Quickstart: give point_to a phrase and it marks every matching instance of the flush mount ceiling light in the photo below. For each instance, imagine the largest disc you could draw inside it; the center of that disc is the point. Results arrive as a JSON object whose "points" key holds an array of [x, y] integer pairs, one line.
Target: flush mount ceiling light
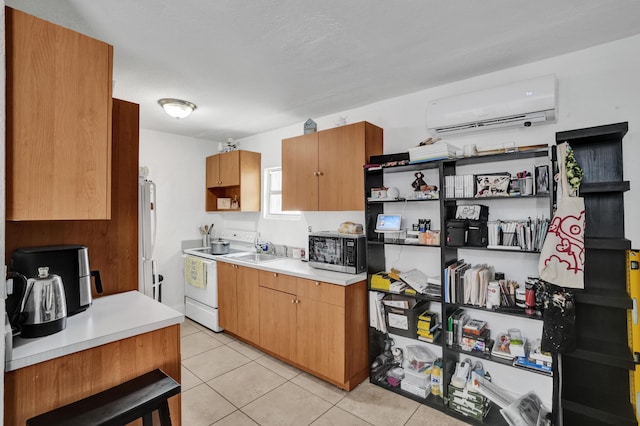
{"points": [[177, 108]]}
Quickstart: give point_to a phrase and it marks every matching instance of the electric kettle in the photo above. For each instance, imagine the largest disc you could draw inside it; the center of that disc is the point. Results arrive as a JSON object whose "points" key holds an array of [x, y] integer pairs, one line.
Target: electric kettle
{"points": [[37, 306]]}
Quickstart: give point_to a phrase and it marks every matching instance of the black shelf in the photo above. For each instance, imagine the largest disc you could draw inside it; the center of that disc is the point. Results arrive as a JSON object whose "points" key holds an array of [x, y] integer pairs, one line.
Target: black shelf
{"points": [[417, 296], [603, 352], [607, 243], [600, 187], [603, 298], [399, 200], [488, 357], [502, 310], [595, 134], [398, 242], [431, 400], [493, 249], [508, 156], [620, 413], [376, 244], [511, 197], [493, 416], [409, 167]]}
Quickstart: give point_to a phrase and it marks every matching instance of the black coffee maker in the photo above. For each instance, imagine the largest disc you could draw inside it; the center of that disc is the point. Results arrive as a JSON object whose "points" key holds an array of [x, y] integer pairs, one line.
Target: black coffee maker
{"points": [[70, 262]]}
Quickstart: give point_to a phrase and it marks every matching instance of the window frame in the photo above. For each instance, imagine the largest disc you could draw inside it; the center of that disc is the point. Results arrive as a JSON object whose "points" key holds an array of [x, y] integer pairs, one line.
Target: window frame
{"points": [[268, 192]]}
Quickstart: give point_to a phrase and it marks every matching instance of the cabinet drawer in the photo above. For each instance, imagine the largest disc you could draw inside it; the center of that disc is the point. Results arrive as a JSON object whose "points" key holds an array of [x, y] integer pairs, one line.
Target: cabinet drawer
{"points": [[277, 281], [320, 291]]}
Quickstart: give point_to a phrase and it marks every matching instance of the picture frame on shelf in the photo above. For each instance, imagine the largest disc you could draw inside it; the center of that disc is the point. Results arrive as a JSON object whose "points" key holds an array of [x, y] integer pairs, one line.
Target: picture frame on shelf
{"points": [[496, 185], [542, 179]]}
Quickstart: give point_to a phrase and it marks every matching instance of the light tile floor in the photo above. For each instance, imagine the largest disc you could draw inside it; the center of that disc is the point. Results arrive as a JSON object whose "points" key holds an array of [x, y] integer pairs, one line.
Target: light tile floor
{"points": [[226, 382]]}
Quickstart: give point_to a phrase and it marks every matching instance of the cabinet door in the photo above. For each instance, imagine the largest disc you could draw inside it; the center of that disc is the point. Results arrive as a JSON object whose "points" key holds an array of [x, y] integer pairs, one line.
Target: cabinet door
{"points": [[227, 297], [213, 171], [320, 338], [59, 109], [300, 173], [248, 304], [340, 157], [229, 172], [278, 322]]}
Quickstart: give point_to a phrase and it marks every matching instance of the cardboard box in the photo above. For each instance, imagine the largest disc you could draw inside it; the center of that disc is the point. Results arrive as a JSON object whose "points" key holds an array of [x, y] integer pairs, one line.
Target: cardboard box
{"points": [[404, 322], [416, 390], [419, 379]]}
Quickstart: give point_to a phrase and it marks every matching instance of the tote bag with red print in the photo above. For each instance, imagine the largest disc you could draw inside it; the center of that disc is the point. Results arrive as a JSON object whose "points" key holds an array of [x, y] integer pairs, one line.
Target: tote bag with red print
{"points": [[562, 255]]}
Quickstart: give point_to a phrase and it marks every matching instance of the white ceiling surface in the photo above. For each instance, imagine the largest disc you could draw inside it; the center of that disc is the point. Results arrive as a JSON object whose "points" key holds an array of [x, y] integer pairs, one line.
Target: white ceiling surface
{"points": [[253, 66]]}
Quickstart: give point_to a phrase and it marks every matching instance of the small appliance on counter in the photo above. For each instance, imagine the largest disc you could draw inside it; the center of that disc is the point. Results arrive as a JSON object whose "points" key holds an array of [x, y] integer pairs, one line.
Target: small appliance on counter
{"points": [[70, 262], [338, 252], [36, 307]]}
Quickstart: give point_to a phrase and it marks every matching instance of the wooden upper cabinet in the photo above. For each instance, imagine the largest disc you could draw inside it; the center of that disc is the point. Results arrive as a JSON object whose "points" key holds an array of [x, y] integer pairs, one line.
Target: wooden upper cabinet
{"points": [[58, 122], [234, 175], [300, 173], [223, 169], [323, 170]]}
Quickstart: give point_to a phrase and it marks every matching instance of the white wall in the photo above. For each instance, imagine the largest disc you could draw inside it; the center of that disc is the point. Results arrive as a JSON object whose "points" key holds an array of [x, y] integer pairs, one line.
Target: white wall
{"points": [[177, 166]]}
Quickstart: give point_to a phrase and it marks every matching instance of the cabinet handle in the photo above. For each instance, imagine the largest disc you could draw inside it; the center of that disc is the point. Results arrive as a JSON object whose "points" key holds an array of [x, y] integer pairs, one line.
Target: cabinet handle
{"points": [[320, 174], [297, 300], [293, 300], [317, 282], [315, 173], [275, 274]]}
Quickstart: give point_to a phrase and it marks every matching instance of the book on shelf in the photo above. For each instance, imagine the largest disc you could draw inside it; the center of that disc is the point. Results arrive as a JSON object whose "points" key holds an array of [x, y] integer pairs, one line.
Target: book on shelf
{"points": [[434, 337], [529, 364], [475, 327]]}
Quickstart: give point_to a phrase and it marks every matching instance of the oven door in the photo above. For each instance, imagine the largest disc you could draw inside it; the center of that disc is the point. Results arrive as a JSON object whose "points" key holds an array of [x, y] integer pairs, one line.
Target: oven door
{"points": [[201, 289]]}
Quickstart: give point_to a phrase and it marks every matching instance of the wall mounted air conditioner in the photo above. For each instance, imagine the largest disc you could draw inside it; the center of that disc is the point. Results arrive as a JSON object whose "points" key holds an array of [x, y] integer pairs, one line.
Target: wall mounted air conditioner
{"points": [[523, 103]]}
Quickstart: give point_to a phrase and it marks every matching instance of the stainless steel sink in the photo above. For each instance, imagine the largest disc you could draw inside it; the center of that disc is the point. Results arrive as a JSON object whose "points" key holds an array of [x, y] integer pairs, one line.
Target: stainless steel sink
{"points": [[256, 257]]}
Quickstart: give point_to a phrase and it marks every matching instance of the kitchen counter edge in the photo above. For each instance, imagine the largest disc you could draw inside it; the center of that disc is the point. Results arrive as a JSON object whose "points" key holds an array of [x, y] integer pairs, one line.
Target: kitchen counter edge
{"points": [[108, 319], [300, 269]]}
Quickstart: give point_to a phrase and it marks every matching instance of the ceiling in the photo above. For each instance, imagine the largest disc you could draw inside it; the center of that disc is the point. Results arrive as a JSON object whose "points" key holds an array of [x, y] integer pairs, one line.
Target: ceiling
{"points": [[253, 66]]}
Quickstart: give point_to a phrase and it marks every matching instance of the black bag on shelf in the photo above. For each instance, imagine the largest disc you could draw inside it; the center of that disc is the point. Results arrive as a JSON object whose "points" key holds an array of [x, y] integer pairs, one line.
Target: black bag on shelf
{"points": [[478, 235], [558, 320], [457, 232]]}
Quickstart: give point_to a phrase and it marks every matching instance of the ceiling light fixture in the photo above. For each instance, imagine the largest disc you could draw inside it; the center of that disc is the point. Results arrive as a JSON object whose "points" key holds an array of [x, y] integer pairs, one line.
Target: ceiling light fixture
{"points": [[177, 108]]}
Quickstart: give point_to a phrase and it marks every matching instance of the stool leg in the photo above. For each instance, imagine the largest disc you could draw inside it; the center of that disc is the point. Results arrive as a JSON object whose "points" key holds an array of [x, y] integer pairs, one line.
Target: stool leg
{"points": [[165, 415]]}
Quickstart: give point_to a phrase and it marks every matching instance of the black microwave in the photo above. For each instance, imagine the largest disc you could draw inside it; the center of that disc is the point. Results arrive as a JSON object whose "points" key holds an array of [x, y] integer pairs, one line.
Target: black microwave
{"points": [[337, 252]]}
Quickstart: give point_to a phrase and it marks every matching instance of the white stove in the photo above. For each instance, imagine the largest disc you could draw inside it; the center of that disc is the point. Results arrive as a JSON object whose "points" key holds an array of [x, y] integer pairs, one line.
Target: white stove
{"points": [[201, 280]]}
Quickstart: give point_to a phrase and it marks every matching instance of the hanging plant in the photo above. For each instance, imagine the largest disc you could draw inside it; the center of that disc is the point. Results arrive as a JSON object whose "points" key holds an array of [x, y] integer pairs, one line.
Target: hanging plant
{"points": [[573, 169]]}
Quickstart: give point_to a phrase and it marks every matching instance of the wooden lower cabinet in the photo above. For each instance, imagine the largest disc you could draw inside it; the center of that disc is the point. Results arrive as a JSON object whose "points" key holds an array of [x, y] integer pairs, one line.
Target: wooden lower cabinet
{"points": [[41, 387], [238, 300], [320, 338], [319, 327]]}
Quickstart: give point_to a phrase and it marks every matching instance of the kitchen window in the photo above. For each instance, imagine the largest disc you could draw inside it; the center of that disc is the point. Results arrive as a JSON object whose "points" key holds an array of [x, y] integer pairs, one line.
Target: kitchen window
{"points": [[273, 196]]}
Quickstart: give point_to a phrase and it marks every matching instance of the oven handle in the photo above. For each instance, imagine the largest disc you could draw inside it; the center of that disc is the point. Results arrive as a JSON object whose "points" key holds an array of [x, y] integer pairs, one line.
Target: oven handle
{"points": [[204, 259]]}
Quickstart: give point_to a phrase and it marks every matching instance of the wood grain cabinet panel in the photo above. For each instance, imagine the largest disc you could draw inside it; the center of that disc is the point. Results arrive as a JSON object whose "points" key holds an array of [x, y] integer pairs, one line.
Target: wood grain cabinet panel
{"points": [[41, 387], [227, 297], [234, 175], [320, 338], [58, 122], [323, 170], [238, 297], [278, 322]]}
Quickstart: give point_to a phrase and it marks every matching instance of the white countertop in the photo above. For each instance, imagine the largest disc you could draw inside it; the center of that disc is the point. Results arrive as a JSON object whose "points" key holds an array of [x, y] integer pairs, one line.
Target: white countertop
{"points": [[108, 319], [298, 268]]}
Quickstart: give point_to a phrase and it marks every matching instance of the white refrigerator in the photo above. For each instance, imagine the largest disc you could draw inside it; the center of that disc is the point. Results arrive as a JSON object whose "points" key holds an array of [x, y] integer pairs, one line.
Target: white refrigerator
{"points": [[148, 278]]}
